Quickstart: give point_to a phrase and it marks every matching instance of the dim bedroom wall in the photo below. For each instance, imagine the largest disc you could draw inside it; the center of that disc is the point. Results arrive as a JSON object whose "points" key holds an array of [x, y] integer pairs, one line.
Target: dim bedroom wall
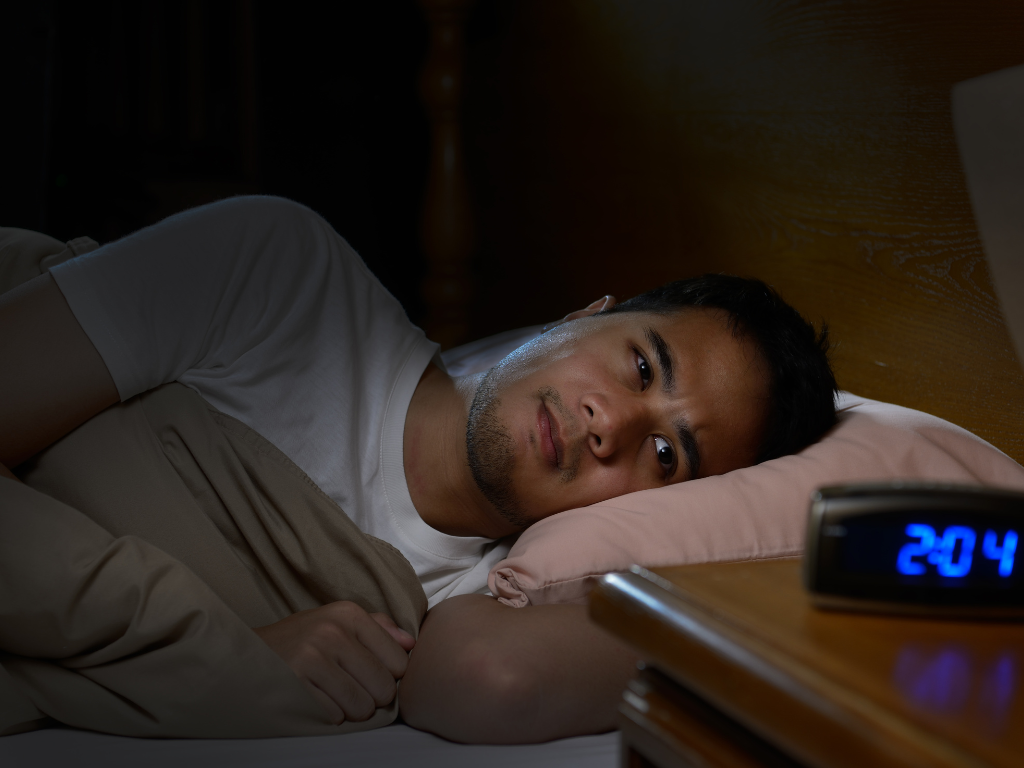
{"points": [[614, 145], [119, 114]]}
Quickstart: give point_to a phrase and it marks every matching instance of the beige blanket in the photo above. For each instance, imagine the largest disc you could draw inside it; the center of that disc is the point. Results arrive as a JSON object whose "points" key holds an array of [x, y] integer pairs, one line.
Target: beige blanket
{"points": [[144, 547]]}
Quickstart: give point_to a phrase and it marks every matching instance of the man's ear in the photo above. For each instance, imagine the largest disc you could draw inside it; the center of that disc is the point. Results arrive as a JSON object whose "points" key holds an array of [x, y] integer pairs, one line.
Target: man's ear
{"points": [[605, 302]]}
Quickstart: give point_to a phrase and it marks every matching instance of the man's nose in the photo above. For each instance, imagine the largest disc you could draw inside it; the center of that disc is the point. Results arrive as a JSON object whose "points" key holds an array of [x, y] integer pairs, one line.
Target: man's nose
{"points": [[610, 421]]}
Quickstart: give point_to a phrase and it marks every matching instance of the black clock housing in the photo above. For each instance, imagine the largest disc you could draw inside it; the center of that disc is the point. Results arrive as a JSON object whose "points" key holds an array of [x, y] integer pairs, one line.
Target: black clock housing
{"points": [[917, 548]]}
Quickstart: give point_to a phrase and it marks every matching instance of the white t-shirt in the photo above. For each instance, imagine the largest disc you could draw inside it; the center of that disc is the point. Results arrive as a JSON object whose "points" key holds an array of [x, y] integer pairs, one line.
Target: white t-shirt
{"points": [[263, 309]]}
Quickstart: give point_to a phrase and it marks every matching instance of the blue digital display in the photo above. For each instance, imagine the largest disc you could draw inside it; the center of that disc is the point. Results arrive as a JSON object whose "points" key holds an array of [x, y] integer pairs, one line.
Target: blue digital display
{"points": [[917, 547], [940, 549], [953, 551]]}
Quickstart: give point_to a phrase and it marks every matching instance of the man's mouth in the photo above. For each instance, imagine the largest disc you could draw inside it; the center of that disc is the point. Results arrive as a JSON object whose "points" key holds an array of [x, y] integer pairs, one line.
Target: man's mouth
{"points": [[550, 443]]}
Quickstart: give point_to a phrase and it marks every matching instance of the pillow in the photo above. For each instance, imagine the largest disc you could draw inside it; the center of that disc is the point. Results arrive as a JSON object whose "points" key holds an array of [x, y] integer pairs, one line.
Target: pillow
{"points": [[754, 513]]}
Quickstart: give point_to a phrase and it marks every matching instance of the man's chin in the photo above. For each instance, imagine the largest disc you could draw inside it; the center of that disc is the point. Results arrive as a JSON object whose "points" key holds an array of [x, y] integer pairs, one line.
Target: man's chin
{"points": [[515, 517], [490, 450]]}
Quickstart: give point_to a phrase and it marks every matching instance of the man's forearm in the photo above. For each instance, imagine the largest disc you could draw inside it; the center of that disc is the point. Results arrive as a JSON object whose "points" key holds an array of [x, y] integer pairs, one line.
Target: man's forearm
{"points": [[484, 672]]}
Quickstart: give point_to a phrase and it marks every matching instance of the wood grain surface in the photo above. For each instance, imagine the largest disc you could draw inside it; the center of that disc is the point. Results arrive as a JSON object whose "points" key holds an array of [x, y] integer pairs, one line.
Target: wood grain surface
{"points": [[615, 145], [829, 689]]}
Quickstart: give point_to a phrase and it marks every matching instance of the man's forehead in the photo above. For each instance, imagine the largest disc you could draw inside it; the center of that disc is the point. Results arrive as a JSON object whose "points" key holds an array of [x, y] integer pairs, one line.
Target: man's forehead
{"points": [[685, 327]]}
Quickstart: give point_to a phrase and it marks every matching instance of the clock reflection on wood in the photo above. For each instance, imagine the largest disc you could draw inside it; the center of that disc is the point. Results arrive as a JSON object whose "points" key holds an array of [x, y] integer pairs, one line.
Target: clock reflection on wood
{"points": [[952, 680]]}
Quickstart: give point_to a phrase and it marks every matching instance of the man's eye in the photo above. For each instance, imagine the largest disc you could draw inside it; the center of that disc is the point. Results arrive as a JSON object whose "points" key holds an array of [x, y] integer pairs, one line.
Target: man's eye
{"points": [[666, 456], [644, 368]]}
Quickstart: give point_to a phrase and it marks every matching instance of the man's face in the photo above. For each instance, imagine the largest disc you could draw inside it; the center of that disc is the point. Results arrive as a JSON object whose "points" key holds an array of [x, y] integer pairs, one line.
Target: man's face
{"points": [[612, 404]]}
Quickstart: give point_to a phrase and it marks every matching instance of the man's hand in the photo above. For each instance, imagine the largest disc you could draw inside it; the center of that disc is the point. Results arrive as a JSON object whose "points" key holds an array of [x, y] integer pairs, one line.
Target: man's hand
{"points": [[349, 659]]}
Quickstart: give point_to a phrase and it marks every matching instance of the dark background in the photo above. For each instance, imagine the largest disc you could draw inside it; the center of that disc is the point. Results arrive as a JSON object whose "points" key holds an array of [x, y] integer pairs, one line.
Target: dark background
{"points": [[121, 113], [610, 146]]}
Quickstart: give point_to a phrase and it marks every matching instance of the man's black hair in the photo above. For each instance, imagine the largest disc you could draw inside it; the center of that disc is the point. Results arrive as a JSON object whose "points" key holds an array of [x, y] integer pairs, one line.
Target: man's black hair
{"points": [[802, 387]]}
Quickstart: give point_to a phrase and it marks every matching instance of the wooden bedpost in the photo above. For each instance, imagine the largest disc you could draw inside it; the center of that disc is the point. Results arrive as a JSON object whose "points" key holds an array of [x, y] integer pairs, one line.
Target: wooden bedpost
{"points": [[446, 227]]}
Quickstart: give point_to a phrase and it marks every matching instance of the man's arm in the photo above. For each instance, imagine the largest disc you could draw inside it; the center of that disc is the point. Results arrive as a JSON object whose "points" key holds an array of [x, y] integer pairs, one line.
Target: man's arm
{"points": [[52, 379], [484, 672]]}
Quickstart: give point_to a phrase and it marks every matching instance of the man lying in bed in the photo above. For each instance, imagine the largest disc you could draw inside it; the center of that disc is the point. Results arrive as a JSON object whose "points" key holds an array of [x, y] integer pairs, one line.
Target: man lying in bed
{"points": [[260, 307]]}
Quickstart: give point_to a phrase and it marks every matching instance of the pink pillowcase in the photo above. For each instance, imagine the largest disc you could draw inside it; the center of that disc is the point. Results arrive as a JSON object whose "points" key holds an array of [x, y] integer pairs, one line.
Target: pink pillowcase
{"points": [[753, 513]]}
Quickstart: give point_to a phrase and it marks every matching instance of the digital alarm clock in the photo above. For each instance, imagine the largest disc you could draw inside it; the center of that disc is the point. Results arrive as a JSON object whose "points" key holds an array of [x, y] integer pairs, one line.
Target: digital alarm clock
{"points": [[917, 548]]}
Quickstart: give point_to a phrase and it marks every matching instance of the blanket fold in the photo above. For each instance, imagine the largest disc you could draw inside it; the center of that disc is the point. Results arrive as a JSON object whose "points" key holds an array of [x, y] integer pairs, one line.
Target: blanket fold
{"points": [[145, 546], [140, 552]]}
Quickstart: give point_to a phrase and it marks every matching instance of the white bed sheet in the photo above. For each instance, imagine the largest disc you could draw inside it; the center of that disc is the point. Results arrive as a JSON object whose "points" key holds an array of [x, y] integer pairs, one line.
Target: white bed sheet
{"points": [[390, 747]]}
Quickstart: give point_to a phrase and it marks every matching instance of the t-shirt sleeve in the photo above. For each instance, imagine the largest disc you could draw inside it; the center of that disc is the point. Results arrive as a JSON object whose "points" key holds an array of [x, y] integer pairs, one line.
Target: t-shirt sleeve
{"points": [[198, 290]]}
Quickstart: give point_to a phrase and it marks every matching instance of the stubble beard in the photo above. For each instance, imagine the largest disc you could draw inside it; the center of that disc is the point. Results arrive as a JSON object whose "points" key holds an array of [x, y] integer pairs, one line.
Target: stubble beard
{"points": [[491, 453], [491, 450]]}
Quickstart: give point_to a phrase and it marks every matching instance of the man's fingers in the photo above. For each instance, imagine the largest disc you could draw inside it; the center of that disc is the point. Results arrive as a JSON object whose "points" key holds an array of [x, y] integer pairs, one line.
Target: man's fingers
{"points": [[398, 634], [335, 713], [351, 659], [345, 671], [365, 668], [383, 646], [380, 644], [345, 693]]}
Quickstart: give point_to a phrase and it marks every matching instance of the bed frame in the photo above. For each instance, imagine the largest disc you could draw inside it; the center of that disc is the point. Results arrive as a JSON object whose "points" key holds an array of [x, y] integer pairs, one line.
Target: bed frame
{"points": [[615, 146], [446, 228]]}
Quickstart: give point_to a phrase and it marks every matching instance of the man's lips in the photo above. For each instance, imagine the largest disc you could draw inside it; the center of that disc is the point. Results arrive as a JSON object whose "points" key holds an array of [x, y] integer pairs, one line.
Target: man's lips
{"points": [[550, 444]]}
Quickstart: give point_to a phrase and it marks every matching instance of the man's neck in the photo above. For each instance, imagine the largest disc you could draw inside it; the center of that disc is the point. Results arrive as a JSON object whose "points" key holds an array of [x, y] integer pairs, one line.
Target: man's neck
{"points": [[436, 467]]}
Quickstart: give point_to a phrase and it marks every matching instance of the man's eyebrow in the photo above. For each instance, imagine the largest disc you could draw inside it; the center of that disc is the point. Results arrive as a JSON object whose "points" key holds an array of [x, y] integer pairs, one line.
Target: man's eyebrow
{"points": [[687, 441], [689, 445], [664, 354]]}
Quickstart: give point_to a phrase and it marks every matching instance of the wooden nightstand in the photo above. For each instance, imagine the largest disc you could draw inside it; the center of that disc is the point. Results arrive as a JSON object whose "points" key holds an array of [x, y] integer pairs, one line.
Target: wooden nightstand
{"points": [[742, 671]]}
